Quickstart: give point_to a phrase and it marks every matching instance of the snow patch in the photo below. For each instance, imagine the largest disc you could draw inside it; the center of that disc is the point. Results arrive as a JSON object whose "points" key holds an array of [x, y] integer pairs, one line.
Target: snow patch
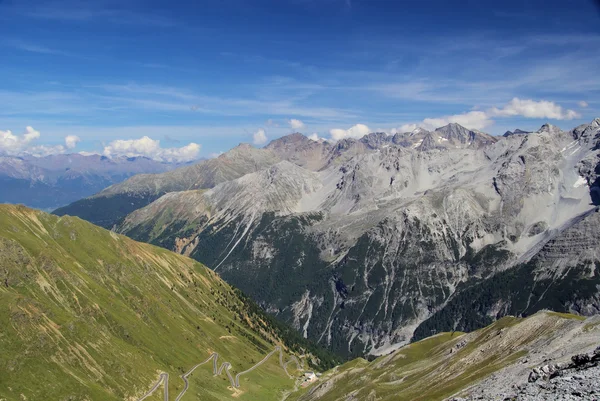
{"points": [[580, 181]]}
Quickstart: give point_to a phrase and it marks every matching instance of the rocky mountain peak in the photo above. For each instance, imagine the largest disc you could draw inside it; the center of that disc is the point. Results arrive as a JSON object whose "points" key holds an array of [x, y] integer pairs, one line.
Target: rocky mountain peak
{"points": [[375, 140], [549, 128], [428, 142], [586, 129], [454, 131], [457, 135], [242, 146], [246, 151], [418, 131], [300, 150], [296, 138]]}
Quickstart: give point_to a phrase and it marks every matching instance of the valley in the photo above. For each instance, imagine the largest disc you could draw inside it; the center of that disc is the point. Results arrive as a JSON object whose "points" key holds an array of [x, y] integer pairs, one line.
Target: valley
{"points": [[299, 200]]}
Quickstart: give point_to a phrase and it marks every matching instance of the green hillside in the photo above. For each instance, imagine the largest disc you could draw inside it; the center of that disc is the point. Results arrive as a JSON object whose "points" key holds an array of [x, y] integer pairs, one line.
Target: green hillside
{"points": [[86, 314]]}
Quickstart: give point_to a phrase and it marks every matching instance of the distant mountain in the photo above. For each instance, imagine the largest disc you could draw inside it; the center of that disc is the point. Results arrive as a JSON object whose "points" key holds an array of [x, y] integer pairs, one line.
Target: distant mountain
{"points": [[87, 314], [365, 243], [57, 180], [109, 206]]}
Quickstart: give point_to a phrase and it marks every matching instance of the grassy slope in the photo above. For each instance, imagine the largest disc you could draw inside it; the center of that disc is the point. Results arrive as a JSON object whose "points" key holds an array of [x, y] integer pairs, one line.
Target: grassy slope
{"points": [[433, 368], [86, 314]]}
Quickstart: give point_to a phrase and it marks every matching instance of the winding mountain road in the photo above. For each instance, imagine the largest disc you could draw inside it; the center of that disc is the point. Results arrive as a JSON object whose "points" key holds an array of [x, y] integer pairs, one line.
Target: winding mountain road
{"points": [[235, 383], [164, 378]]}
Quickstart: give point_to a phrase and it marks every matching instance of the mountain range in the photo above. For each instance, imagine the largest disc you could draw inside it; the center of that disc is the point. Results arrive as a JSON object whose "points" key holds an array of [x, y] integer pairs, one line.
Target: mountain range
{"points": [[57, 180], [366, 244]]}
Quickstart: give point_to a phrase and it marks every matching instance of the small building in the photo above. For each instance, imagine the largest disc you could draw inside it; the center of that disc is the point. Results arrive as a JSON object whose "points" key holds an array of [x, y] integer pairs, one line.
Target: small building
{"points": [[309, 377]]}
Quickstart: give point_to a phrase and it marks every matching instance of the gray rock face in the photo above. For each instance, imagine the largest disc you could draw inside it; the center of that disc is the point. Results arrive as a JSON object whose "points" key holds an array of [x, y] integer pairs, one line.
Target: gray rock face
{"points": [[302, 151], [458, 135], [358, 243], [375, 140], [578, 379]]}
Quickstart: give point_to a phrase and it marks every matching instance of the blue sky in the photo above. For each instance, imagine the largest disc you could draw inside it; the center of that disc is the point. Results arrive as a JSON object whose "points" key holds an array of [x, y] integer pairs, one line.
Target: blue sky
{"points": [[216, 73]]}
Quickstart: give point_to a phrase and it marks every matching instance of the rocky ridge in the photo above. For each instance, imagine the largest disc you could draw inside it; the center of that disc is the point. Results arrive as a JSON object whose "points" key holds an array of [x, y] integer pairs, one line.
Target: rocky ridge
{"points": [[577, 379]]}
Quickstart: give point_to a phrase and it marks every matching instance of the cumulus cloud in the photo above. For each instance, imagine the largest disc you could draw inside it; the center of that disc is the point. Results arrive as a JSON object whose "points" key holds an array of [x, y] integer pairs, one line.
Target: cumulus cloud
{"points": [[532, 109], [583, 104], [10, 143], [85, 153], [71, 141], [150, 148], [25, 144], [15, 145], [260, 137], [477, 119], [296, 124], [45, 150], [403, 128], [356, 131], [315, 137], [472, 120]]}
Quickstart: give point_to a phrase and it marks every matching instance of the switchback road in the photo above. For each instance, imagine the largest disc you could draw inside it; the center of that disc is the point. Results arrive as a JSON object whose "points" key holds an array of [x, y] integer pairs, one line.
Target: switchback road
{"points": [[164, 377]]}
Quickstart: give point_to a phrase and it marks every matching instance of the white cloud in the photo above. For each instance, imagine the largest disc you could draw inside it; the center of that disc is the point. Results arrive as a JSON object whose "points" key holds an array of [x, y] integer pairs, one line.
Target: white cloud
{"points": [[296, 124], [71, 141], [356, 131], [260, 137], [472, 120], [315, 137], [583, 104], [214, 155], [150, 148], [477, 119], [20, 145], [45, 150], [13, 145], [84, 153], [532, 109], [404, 128]]}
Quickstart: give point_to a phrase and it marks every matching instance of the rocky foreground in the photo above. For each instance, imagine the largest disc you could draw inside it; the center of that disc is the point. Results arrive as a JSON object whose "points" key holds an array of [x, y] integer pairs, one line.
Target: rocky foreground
{"points": [[578, 379]]}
